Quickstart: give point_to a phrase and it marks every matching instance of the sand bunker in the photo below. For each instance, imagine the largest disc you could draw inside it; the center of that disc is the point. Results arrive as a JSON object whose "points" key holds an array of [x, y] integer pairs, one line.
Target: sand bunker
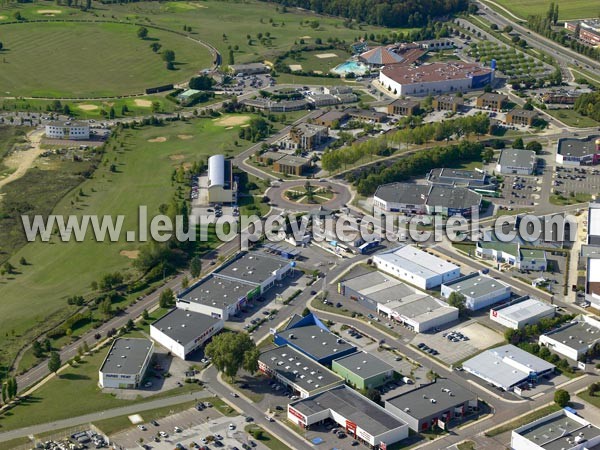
{"points": [[49, 11], [326, 55], [185, 137], [232, 121], [229, 128], [158, 139], [143, 103], [2, 17], [306, 37], [131, 254], [318, 71], [295, 67], [87, 107], [176, 157]]}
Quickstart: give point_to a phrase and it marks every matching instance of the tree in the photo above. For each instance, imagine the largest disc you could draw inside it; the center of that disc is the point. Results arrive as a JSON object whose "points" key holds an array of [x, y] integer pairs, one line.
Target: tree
{"points": [[201, 83], [130, 325], [535, 146], [142, 32], [54, 362], [374, 395], [250, 363], [8, 268], [305, 312], [231, 57], [562, 398], [18, 16], [111, 113], [37, 349], [23, 261], [185, 282], [47, 345], [518, 143], [593, 388], [228, 352], [4, 393], [457, 300], [86, 347], [168, 56], [166, 298], [155, 46], [195, 266], [145, 314], [507, 29], [105, 307]]}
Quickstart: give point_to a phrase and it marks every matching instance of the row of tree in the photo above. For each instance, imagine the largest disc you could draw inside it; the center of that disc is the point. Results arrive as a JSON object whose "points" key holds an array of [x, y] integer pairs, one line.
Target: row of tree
{"points": [[589, 105]]}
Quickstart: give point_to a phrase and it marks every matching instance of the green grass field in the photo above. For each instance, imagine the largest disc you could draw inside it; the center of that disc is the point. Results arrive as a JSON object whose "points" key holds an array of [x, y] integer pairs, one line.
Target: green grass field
{"points": [[82, 59], [572, 9], [57, 269], [311, 62], [572, 118]]}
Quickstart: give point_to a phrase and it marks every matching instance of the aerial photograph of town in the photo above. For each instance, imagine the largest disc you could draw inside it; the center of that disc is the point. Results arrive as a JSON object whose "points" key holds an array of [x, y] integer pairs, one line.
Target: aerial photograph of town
{"points": [[300, 224]]}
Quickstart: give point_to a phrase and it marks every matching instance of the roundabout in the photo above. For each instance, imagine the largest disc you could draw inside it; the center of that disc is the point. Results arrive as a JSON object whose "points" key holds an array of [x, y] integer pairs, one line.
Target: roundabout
{"points": [[293, 195], [64, 59]]}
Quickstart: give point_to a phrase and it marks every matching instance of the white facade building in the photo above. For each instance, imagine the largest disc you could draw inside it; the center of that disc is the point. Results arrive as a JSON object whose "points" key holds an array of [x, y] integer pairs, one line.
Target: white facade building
{"points": [[68, 130], [125, 364], [574, 339], [416, 267], [522, 312], [480, 291]]}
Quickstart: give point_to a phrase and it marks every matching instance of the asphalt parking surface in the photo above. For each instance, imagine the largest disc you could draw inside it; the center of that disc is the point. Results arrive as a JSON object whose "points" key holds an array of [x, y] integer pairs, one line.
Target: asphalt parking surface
{"points": [[576, 179], [520, 191]]}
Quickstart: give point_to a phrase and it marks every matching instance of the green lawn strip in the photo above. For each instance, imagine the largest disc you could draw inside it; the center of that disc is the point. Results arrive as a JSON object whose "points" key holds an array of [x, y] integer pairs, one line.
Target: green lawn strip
{"points": [[310, 61], [546, 410], [120, 423], [564, 200], [290, 78], [593, 400], [221, 406], [13, 443], [573, 9], [572, 118], [266, 438], [467, 445], [250, 204]]}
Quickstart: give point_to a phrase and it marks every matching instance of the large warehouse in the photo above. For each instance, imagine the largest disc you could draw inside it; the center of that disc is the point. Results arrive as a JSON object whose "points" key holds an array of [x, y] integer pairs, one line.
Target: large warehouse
{"points": [[361, 418], [522, 312], [508, 366], [310, 336], [304, 376], [436, 404], [578, 152], [126, 363], [574, 339], [435, 78], [221, 186], [363, 370], [416, 267], [517, 162], [480, 291], [181, 332]]}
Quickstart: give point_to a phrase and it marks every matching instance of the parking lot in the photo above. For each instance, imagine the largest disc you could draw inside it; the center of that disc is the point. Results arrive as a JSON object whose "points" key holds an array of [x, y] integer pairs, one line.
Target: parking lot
{"points": [[519, 191], [575, 179]]}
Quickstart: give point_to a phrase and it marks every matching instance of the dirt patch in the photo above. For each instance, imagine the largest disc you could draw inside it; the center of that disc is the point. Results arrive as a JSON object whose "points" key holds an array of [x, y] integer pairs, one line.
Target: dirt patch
{"points": [[87, 107], [232, 121], [49, 11], [158, 139], [142, 103], [229, 128], [185, 137], [21, 161], [176, 157], [131, 254], [326, 55], [187, 165], [295, 67]]}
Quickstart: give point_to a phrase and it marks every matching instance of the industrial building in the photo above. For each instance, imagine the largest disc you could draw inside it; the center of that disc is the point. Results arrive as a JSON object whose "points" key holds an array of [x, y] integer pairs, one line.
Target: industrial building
{"points": [[311, 337], [181, 332], [416, 267], [574, 339], [522, 312], [592, 280], [304, 376], [126, 363], [361, 418], [221, 185], [508, 366], [480, 291], [512, 254], [516, 162], [435, 78], [448, 103], [412, 198], [438, 404], [363, 370], [561, 430], [68, 130], [578, 152], [473, 179], [593, 237]]}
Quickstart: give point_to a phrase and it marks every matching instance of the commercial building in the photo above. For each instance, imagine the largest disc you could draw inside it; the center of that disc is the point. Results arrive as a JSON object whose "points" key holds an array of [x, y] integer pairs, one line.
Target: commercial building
{"points": [[435, 78], [320, 100], [521, 117], [490, 100], [589, 30], [512, 254], [593, 237], [592, 280], [291, 165], [562, 96], [574, 339], [361, 418], [412, 198], [337, 90], [561, 430], [363, 370], [306, 136], [532, 259], [221, 186], [448, 103], [473, 179], [480, 291], [380, 56], [311, 337], [436, 404], [125, 364], [302, 375], [248, 69], [181, 332], [403, 107], [508, 366], [68, 130], [517, 162], [332, 118], [367, 115], [578, 152], [436, 44], [283, 106], [416, 267], [522, 312]]}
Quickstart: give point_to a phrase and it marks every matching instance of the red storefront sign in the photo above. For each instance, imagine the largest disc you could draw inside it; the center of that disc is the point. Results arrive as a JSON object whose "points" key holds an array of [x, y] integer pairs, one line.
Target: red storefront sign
{"points": [[351, 427], [297, 414]]}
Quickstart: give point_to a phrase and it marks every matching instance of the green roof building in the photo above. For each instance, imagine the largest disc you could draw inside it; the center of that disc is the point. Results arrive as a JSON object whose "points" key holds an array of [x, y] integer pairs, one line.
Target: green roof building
{"points": [[363, 370]]}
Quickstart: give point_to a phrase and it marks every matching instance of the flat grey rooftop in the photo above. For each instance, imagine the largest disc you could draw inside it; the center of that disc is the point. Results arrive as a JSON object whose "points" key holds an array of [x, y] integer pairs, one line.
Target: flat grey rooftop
{"points": [[417, 261], [379, 287], [419, 400], [453, 197], [252, 267], [525, 309], [126, 356], [460, 175], [577, 147], [476, 285], [576, 335], [316, 341], [517, 158], [553, 433], [298, 368], [407, 193], [363, 364], [420, 307], [369, 416], [184, 326], [216, 291]]}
